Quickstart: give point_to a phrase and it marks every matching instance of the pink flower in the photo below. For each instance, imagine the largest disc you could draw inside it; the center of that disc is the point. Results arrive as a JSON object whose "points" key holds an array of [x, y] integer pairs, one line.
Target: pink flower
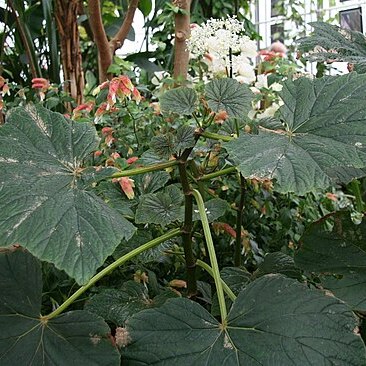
{"points": [[41, 84], [107, 131], [87, 107], [127, 186], [115, 155], [98, 153], [132, 160]]}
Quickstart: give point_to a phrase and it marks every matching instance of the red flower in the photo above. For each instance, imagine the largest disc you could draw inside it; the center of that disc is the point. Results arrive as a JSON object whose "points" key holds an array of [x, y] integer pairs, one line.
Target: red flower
{"points": [[132, 160], [107, 131], [41, 84], [127, 186]]}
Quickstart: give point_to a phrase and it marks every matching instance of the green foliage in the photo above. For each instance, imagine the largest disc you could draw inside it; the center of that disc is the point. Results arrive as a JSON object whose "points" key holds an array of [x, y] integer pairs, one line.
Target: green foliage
{"points": [[275, 320], [331, 43], [117, 305], [74, 337], [180, 100], [161, 208], [319, 134], [337, 257], [45, 184], [230, 96]]}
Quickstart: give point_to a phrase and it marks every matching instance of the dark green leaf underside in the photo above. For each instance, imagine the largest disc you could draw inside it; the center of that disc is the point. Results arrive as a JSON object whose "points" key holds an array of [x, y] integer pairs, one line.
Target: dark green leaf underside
{"points": [[74, 338], [274, 321], [338, 258]]}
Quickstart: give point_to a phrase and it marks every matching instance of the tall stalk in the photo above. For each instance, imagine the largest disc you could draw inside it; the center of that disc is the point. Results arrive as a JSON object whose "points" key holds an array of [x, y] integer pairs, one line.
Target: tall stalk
{"points": [[212, 253], [187, 229], [239, 220]]}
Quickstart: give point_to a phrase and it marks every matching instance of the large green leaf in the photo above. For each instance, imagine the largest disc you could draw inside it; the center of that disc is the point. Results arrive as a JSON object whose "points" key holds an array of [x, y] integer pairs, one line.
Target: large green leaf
{"points": [[180, 100], [324, 130], [74, 338], [274, 321], [45, 204], [329, 42], [230, 96], [338, 257]]}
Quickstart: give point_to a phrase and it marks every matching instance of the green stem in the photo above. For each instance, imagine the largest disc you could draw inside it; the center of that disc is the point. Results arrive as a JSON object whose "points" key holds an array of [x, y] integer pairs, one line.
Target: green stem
{"points": [[209, 270], [151, 244], [143, 170], [239, 220], [355, 189], [216, 136], [212, 254], [219, 173], [187, 230]]}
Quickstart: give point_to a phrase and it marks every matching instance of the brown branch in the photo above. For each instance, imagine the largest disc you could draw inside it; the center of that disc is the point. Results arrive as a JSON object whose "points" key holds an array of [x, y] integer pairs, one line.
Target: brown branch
{"points": [[106, 49], [182, 32], [118, 40], [100, 38]]}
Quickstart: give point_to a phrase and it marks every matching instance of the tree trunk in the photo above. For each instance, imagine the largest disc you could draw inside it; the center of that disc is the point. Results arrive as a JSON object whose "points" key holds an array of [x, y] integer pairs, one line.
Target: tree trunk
{"points": [[66, 18], [106, 49], [182, 32]]}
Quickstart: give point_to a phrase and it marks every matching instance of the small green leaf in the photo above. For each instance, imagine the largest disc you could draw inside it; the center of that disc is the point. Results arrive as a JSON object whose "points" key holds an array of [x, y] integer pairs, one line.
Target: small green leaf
{"points": [[215, 208], [180, 100], [236, 278], [323, 130], [338, 257], [163, 145], [161, 208], [274, 321], [145, 6], [74, 338], [184, 139], [151, 182], [117, 305], [230, 96], [278, 262], [44, 186]]}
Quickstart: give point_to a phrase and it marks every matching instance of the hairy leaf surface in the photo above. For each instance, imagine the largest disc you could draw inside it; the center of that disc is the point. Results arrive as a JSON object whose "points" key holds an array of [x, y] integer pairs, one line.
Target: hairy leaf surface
{"points": [[230, 96], [330, 42], [180, 100], [45, 204], [324, 130]]}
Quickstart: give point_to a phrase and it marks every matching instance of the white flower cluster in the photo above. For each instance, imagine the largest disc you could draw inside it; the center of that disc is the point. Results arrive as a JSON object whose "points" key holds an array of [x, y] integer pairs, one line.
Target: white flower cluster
{"points": [[216, 39]]}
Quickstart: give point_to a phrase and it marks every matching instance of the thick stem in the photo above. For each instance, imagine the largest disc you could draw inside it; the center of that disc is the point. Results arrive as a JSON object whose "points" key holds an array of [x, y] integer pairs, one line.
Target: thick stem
{"points": [[182, 32], [219, 173], [212, 253], [151, 244], [118, 40], [187, 230], [100, 38], [106, 49], [225, 287], [216, 136], [143, 170], [239, 220]]}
